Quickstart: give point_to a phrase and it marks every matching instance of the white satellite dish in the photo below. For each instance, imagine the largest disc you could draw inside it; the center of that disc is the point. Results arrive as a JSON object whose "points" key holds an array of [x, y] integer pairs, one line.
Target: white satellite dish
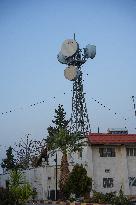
{"points": [[71, 73], [90, 51], [61, 58], [69, 48]]}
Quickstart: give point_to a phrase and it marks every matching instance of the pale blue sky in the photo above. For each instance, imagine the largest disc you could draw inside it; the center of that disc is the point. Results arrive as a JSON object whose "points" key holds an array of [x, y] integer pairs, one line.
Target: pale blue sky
{"points": [[31, 34]]}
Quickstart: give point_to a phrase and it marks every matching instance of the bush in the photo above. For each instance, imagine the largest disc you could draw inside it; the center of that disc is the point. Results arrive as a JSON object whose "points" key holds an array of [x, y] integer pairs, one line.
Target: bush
{"points": [[110, 198], [121, 199], [98, 197], [6, 197], [19, 188], [78, 182]]}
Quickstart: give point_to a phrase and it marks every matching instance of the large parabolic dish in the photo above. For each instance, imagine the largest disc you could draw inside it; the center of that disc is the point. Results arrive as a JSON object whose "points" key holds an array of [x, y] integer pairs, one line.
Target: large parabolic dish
{"points": [[90, 51], [69, 48], [71, 73]]}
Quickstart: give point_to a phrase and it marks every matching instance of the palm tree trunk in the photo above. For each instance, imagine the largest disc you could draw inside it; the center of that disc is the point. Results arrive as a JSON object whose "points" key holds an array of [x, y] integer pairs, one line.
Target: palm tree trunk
{"points": [[64, 172]]}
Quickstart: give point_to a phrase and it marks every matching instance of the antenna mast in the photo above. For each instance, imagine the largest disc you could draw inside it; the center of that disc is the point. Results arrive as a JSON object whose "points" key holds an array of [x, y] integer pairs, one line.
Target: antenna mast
{"points": [[134, 105], [74, 57]]}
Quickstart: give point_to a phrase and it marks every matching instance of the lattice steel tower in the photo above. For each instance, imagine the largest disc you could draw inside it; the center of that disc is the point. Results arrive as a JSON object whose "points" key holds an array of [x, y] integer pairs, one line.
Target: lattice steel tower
{"points": [[74, 57]]}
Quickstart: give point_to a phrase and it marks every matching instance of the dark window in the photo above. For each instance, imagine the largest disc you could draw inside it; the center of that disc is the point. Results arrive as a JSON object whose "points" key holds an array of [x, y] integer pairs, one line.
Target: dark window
{"points": [[132, 181], [107, 152], [134, 151], [107, 170], [80, 154], [127, 152], [107, 182], [131, 151]]}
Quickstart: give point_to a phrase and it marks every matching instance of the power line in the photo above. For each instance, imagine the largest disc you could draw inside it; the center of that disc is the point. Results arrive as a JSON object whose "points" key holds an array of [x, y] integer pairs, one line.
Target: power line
{"points": [[45, 101]]}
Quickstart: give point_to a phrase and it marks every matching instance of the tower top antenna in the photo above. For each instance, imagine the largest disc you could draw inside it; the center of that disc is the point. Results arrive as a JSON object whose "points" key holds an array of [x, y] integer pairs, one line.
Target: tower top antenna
{"points": [[74, 36]]}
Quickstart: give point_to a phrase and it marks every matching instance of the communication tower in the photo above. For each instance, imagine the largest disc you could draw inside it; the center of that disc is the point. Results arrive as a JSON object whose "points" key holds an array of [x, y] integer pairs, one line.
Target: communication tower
{"points": [[74, 57]]}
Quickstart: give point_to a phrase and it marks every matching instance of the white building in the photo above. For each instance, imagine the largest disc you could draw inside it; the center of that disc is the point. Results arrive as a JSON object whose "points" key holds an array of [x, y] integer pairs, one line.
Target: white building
{"points": [[109, 158], [112, 161]]}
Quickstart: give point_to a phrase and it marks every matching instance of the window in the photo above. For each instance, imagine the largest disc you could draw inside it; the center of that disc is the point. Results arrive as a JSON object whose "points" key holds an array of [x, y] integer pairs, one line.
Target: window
{"points": [[107, 170], [80, 154], [107, 152], [132, 181], [131, 151], [107, 182]]}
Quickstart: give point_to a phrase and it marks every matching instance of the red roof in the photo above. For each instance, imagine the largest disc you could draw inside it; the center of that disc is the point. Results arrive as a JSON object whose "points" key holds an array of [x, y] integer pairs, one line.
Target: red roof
{"points": [[104, 138]]}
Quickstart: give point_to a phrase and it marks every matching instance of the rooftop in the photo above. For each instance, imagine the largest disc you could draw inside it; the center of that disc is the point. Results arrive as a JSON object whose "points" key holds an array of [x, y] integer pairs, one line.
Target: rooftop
{"points": [[106, 138]]}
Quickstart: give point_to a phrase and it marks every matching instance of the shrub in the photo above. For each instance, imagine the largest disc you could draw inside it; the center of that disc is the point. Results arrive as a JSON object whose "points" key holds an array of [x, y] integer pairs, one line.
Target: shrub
{"points": [[98, 197], [120, 199], [19, 188], [6, 197], [110, 198], [78, 182]]}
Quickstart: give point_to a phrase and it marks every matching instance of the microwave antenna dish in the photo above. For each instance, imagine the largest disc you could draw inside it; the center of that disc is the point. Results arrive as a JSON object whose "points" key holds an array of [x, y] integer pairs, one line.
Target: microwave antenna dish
{"points": [[69, 48], [71, 73]]}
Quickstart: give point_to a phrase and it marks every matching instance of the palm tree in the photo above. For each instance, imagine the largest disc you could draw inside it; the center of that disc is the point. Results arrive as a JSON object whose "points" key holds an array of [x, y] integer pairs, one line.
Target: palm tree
{"points": [[61, 139]]}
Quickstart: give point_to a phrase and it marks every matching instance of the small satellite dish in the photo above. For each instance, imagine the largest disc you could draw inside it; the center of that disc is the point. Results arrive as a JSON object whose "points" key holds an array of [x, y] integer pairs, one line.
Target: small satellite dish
{"points": [[90, 51], [61, 58], [71, 73], [69, 48]]}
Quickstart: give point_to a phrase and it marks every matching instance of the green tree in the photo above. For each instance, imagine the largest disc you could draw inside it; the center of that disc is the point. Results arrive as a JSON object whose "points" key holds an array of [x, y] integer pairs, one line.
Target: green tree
{"points": [[61, 139], [9, 162], [20, 189], [60, 121], [78, 182]]}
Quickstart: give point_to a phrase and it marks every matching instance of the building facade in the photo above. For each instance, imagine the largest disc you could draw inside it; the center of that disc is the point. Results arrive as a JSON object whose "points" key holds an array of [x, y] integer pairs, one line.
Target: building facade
{"points": [[113, 162], [109, 158]]}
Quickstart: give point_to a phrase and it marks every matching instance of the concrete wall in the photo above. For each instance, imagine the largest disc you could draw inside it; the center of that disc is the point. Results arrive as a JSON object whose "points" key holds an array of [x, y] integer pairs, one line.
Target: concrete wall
{"points": [[131, 163], [121, 168], [117, 166]]}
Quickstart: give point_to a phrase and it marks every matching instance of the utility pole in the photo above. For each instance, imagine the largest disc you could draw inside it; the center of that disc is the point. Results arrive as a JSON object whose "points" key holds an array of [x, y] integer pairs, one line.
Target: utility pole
{"points": [[56, 160]]}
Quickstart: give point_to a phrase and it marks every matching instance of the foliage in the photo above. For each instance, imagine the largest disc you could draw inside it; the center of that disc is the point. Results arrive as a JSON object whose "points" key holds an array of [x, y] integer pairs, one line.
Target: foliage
{"points": [[6, 197], [64, 170], [60, 125], [27, 151], [78, 182], [65, 141], [61, 139], [60, 120], [110, 198], [120, 199], [19, 188], [9, 162], [99, 197], [34, 193]]}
